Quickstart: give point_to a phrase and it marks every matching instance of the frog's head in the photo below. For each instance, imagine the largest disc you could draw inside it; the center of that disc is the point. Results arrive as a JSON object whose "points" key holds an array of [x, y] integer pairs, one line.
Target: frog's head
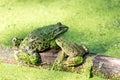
{"points": [[16, 41], [59, 29]]}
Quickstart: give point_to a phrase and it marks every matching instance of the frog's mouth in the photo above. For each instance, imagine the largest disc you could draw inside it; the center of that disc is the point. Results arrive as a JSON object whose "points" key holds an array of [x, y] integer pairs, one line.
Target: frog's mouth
{"points": [[60, 31]]}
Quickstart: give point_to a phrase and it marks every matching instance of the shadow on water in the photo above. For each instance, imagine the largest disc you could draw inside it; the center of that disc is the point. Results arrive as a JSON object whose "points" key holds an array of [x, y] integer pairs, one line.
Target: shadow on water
{"points": [[97, 48], [89, 40]]}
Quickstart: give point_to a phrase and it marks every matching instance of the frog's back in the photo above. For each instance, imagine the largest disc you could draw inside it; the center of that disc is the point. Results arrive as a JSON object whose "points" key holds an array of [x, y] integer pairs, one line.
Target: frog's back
{"points": [[40, 38], [71, 49], [68, 47]]}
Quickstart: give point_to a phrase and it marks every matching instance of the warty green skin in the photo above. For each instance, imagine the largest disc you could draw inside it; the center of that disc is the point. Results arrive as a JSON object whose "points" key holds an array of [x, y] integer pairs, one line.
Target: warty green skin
{"points": [[40, 39], [73, 52]]}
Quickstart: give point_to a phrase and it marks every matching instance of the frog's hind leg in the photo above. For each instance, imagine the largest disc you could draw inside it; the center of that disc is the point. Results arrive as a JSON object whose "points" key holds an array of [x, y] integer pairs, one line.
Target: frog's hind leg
{"points": [[73, 61]]}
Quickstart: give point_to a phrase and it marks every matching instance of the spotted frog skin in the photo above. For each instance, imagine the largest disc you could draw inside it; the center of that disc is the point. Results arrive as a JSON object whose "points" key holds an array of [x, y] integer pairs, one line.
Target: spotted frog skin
{"points": [[42, 38], [71, 54]]}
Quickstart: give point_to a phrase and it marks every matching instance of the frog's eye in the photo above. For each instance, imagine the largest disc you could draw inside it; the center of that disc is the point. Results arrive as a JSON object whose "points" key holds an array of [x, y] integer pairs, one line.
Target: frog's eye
{"points": [[14, 39], [59, 23]]}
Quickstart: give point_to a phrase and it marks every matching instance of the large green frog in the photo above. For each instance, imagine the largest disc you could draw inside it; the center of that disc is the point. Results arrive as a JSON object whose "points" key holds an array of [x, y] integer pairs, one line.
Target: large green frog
{"points": [[40, 40], [71, 54]]}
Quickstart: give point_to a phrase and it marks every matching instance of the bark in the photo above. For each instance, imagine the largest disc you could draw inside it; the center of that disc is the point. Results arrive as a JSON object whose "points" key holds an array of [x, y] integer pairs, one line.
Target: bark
{"points": [[106, 66], [103, 66], [48, 57]]}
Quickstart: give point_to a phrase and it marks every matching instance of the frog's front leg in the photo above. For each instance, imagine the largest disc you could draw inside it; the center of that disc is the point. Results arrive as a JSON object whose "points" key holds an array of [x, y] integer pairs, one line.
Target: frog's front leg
{"points": [[61, 56], [53, 45], [58, 63]]}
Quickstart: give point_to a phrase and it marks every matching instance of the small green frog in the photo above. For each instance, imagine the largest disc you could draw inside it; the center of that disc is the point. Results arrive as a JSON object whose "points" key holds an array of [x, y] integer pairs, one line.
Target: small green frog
{"points": [[71, 54]]}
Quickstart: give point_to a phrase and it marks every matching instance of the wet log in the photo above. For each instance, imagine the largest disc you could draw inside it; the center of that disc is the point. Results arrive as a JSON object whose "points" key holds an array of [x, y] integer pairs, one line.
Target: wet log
{"points": [[107, 67], [103, 66]]}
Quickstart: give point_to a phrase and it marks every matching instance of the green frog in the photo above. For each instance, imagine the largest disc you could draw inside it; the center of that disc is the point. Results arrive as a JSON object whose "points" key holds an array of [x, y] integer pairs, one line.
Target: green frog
{"points": [[39, 40], [71, 54]]}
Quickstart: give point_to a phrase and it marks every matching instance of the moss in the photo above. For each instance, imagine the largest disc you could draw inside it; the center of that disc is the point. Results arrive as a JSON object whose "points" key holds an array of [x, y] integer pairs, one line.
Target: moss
{"points": [[57, 66], [25, 58], [60, 66], [87, 67], [98, 73], [84, 69], [78, 60], [115, 77]]}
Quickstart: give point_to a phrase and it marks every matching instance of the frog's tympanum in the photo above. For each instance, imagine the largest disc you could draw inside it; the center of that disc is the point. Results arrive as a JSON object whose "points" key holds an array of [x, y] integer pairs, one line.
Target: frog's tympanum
{"points": [[71, 54], [40, 40]]}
